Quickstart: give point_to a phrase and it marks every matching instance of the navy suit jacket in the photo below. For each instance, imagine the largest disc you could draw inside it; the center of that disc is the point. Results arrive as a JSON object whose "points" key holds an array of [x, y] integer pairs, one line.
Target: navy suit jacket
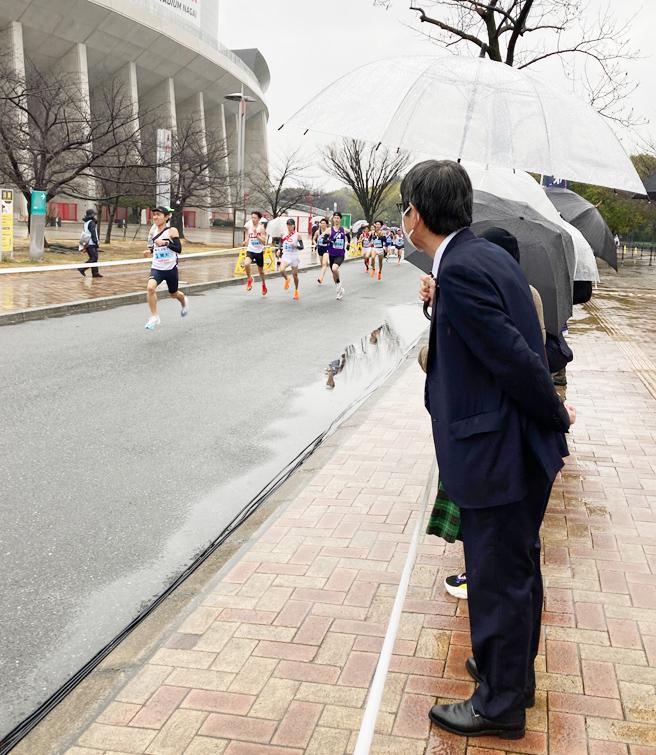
{"points": [[488, 388]]}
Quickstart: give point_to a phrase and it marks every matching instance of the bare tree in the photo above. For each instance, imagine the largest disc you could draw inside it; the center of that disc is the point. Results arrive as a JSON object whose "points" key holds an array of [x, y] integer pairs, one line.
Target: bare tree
{"points": [[521, 33], [278, 191], [369, 170], [50, 139], [199, 178]]}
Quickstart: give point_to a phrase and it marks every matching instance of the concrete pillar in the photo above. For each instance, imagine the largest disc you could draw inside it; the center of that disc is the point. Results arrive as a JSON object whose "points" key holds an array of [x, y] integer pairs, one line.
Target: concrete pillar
{"points": [[232, 122], [158, 107], [215, 122], [11, 41], [75, 65], [192, 111], [257, 147]]}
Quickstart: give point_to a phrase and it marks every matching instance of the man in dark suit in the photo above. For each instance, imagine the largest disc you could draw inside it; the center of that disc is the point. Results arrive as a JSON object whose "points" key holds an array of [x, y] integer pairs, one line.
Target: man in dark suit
{"points": [[498, 427]]}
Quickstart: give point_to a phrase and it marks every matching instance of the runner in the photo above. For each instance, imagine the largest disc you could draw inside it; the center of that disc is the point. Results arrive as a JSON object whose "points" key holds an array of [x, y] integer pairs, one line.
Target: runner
{"points": [[255, 234], [321, 240], [398, 243], [378, 249], [389, 241], [164, 245], [290, 256], [365, 238], [337, 251]]}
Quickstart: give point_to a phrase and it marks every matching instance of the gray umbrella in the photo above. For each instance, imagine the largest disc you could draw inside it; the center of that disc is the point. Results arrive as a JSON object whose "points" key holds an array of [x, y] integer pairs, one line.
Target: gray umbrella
{"points": [[587, 218], [547, 253]]}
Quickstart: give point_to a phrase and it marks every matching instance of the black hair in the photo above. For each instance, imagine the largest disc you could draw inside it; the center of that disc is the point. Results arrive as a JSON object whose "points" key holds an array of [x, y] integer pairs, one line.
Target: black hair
{"points": [[379, 221], [339, 214], [441, 192], [503, 238], [291, 222], [258, 213], [325, 220]]}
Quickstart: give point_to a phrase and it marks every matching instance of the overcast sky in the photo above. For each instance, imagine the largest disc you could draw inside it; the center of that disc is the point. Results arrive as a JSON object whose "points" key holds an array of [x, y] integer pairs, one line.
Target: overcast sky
{"points": [[308, 44]]}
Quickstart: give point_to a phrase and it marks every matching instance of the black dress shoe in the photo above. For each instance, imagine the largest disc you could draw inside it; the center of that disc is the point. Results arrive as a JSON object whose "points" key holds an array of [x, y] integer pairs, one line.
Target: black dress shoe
{"points": [[82, 272], [472, 670], [460, 718]]}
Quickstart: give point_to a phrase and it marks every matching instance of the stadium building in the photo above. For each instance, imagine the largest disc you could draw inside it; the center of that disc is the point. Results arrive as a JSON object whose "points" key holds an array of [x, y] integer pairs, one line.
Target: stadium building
{"points": [[166, 54]]}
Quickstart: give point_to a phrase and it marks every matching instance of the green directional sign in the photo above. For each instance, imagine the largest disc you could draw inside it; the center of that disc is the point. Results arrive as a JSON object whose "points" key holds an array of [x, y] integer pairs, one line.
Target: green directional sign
{"points": [[38, 203], [346, 220]]}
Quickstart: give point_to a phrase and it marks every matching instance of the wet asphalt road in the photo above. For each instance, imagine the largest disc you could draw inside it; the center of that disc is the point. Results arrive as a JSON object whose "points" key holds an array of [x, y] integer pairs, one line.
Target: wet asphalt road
{"points": [[125, 452]]}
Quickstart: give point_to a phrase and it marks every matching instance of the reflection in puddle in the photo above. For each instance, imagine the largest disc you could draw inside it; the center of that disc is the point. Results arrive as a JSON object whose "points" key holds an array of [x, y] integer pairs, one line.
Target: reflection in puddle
{"points": [[382, 347]]}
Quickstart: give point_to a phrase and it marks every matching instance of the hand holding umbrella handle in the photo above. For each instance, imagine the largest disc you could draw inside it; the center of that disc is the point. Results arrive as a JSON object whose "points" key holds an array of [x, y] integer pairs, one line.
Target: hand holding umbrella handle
{"points": [[426, 312]]}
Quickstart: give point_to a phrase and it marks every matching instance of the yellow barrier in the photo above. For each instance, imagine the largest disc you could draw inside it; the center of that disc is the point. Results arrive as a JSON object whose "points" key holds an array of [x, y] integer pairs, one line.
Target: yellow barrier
{"points": [[269, 261], [355, 250]]}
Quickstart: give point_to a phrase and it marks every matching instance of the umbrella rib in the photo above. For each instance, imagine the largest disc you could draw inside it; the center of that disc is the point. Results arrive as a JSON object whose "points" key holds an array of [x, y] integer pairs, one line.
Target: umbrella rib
{"points": [[544, 119], [470, 110], [401, 101]]}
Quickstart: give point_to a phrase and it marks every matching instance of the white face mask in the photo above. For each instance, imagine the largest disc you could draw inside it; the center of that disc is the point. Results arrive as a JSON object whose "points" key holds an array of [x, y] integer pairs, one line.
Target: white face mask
{"points": [[407, 235]]}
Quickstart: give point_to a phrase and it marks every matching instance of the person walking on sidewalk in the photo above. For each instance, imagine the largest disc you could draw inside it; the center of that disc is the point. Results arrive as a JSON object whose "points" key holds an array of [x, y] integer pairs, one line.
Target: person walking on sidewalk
{"points": [[290, 256], [498, 426], [255, 237], [164, 246], [89, 242], [337, 251]]}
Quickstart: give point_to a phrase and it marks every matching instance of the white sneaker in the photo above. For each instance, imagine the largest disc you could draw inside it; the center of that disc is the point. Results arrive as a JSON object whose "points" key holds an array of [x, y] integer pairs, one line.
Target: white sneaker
{"points": [[185, 308], [153, 322], [340, 291]]}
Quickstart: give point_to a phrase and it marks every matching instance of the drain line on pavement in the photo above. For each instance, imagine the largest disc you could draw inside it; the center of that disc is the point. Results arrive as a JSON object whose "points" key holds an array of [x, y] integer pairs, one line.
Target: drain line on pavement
{"points": [[368, 726]]}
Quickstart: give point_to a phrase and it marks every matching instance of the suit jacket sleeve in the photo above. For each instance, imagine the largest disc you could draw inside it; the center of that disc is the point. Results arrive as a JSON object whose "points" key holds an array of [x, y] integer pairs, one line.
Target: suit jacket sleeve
{"points": [[475, 310]]}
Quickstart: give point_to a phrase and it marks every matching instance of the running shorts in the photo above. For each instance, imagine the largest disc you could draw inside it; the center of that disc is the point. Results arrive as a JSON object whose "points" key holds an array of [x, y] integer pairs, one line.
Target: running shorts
{"points": [[170, 276], [336, 260], [377, 250], [256, 257], [293, 259]]}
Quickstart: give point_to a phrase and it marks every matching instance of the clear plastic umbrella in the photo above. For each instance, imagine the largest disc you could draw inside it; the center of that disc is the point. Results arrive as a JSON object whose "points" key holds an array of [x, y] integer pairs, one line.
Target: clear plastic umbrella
{"points": [[476, 110]]}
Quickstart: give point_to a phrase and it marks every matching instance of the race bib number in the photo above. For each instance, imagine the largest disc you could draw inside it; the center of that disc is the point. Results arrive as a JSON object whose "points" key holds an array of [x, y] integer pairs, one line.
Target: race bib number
{"points": [[338, 243], [163, 253]]}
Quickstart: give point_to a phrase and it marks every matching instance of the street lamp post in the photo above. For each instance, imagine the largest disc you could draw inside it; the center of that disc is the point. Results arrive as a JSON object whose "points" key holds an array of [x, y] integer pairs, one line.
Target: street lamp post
{"points": [[242, 99]]}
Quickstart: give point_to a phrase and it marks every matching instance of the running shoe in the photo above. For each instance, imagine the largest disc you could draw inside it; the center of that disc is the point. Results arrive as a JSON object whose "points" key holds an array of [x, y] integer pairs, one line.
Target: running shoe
{"points": [[265, 290], [295, 294], [185, 308], [340, 291], [249, 284], [319, 282], [380, 275], [373, 271], [153, 322], [286, 286], [456, 585]]}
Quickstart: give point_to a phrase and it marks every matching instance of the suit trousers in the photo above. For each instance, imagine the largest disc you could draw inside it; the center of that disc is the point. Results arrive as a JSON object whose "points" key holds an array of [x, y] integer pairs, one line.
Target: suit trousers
{"points": [[505, 595]]}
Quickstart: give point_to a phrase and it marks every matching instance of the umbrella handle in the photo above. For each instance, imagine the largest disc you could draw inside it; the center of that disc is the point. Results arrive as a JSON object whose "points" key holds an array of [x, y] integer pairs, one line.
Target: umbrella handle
{"points": [[426, 312]]}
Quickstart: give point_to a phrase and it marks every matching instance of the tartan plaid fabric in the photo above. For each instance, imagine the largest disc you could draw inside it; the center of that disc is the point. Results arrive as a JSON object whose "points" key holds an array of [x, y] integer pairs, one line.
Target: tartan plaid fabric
{"points": [[445, 518]]}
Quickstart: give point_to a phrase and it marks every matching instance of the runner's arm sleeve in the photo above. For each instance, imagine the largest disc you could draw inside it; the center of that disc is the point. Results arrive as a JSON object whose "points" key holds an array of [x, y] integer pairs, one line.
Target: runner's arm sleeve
{"points": [[175, 244]]}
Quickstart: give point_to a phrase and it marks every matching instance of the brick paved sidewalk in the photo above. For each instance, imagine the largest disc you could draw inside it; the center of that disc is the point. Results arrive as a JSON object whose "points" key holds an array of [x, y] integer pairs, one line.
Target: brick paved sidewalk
{"points": [[277, 656]]}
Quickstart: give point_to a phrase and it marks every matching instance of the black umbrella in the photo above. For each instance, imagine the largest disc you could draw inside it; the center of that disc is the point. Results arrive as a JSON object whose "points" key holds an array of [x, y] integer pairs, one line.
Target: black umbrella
{"points": [[547, 253], [587, 218]]}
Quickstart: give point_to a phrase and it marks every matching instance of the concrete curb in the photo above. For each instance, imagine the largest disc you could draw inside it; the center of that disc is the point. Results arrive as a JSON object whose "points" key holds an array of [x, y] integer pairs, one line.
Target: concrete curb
{"points": [[120, 300]]}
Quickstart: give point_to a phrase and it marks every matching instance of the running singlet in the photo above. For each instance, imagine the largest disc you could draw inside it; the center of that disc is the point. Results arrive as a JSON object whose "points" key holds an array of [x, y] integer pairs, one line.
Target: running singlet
{"points": [[290, 244], [398, 242], [255, 244], [323, 239], [337, 246], [366, 242], [378, 242], [164, 258]]}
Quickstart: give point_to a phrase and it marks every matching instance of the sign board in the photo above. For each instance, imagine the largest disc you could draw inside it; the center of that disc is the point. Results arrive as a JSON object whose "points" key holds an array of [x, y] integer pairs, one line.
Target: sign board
{"points": [[551, 182], [7, 221], [164, 148], [38, 204], [346, 220]]}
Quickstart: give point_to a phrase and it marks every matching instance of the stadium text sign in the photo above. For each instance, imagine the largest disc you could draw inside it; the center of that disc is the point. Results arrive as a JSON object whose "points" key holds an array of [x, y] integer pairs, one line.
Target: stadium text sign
{"points": [[189, 10]]}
